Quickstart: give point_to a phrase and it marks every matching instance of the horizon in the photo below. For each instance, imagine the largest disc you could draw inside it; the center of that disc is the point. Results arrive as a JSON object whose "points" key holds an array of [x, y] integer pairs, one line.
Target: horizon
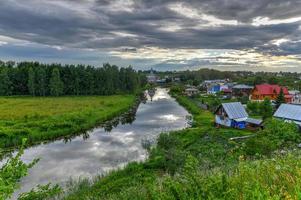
{"points": [[241, 35]]}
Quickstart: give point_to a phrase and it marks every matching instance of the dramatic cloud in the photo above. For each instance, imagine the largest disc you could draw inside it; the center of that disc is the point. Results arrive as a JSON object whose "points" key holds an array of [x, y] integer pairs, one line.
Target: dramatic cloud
{"points": [[239, 34]]}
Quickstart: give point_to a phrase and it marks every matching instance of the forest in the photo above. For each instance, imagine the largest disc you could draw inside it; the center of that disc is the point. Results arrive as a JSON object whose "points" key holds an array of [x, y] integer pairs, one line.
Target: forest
{"points": [[37, 79]]}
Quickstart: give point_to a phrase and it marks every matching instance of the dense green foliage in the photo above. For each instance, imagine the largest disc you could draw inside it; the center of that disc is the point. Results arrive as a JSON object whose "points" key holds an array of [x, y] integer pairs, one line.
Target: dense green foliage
{"points": [[280, 98], [42, 192], [5, 83], [45, 118], [11, 173], [263, 109], [55, 84], [266, 109], [32, 78]]}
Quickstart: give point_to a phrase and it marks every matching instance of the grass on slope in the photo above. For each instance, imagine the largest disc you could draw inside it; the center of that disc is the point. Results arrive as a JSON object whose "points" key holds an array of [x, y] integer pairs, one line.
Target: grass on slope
{"points": [[209, 145], [202, 163], [47, 118]]}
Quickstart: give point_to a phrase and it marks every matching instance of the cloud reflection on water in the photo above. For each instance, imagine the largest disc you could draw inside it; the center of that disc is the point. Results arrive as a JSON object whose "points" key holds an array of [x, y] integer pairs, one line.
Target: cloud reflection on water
{"points": [[104, 151]]}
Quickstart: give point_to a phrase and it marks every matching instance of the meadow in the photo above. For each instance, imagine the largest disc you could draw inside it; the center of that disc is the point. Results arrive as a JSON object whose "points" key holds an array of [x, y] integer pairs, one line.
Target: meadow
{"points": [[45, 118], [202, 163]]}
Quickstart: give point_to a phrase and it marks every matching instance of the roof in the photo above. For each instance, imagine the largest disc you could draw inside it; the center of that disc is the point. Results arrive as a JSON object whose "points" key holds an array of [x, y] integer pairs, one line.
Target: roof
{"points": [[226, 90], [254, 121], [191, 89], [288, 96], [242, 86], [289, 111], [294, 92], [270, 89], [235, 110]]}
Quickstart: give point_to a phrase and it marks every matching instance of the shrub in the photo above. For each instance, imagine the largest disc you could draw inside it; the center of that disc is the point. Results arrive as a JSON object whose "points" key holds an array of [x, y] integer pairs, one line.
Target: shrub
{"points": [[259, 145], [281, 132]]}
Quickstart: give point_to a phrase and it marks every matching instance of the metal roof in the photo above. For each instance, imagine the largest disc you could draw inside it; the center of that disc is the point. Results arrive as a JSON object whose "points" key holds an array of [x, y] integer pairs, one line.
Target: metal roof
{"points": [[235, 110], [254, 121], [242, 86], [289, 111]]}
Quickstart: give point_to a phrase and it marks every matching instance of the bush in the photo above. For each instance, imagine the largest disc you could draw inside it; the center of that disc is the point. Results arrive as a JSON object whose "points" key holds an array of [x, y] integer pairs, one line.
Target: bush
{"points": [[259, 146], [253, 108], [281, 132]]}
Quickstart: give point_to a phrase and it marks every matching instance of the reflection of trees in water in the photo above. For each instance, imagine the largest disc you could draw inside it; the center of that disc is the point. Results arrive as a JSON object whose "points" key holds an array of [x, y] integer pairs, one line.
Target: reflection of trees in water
{"points": [[151, 93], [126, 118], [86, 136]]}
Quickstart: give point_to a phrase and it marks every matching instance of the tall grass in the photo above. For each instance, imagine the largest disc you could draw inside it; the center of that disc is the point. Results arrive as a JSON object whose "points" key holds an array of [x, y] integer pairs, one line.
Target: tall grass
{"points": [[40, 119]]}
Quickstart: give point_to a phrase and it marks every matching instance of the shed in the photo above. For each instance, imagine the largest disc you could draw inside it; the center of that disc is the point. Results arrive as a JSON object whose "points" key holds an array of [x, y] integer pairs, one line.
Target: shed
{"points": [[242, 90], [191, 91], [231, 115], [254, 124]]}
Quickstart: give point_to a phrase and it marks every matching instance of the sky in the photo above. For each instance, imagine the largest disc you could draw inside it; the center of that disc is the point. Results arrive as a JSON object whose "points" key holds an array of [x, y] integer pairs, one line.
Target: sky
{"points": [[256, 35]]}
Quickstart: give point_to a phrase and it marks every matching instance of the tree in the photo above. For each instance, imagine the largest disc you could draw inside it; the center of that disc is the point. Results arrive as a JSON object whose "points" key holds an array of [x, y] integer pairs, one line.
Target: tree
{"points": [[5, 84], [253, 107], [31, 82], [55, 84], [41, 81], [258, 80], [266, 108], [280, 98]]}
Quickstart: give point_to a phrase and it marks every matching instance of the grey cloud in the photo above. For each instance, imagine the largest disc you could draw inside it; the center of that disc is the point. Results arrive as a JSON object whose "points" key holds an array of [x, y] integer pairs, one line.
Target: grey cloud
{"points": [[93, 24]]}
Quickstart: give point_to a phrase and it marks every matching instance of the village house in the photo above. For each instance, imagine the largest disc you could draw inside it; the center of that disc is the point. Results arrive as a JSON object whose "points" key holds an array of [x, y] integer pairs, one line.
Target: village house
{"points": [[215, 86], [191, 91], [213, 89], [235, 115], [289, 113], [260, 92], [242, 90], [151, 77], [296, 96]]}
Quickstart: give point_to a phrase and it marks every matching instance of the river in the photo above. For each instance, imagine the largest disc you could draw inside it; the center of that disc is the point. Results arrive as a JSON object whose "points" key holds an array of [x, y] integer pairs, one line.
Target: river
{"points": [[103, 151]]}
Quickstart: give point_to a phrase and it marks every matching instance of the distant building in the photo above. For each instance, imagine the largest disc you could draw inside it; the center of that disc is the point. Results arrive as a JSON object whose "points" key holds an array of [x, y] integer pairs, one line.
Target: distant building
{"points": [[296, 96], [213, 89], [260, 92], [242, 90], [215, 86], [177, 79], [215, 81], [234, 115], [191, 91], [151, 78], [289, 113]]}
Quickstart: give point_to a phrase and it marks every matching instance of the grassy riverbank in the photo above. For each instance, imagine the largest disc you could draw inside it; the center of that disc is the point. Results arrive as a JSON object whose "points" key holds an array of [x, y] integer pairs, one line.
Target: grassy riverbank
{"points": [[202, 163], [47, 118]]}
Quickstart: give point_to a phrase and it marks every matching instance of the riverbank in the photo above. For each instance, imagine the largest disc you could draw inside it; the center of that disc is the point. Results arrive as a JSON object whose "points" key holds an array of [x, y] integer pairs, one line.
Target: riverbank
{"points": [[202, 140], [201, 162], [43, 119]]}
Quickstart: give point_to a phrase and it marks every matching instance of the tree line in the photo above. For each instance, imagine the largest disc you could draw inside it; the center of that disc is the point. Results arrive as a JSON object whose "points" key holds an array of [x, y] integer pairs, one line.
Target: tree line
{"points": [[37, 79]]}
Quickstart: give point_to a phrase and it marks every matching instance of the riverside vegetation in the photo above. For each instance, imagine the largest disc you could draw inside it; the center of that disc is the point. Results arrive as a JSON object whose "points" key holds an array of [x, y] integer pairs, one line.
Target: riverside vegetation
{"points": [[39, 118], [45, 118], [202, 163], [34, 105]]}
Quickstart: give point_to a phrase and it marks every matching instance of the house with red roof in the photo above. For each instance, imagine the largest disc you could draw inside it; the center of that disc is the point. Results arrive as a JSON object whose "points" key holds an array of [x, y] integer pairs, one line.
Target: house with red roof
{"points": [[260, 92]]}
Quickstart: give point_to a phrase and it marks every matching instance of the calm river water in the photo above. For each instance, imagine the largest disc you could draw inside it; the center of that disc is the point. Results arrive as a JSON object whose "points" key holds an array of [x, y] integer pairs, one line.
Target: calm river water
{"points": [[103, 151]]}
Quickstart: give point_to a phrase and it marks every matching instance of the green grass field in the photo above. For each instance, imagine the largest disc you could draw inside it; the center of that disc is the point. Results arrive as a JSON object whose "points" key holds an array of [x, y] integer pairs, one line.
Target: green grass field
{"points": [[46, 118]]}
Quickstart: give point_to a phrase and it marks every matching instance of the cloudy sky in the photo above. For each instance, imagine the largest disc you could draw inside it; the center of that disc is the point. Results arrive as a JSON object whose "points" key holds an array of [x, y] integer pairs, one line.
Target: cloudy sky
{"points": [[166, 35]]}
